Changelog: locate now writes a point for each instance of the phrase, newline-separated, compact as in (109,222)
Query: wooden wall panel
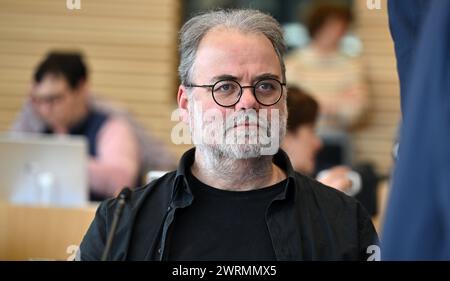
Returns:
(375,140)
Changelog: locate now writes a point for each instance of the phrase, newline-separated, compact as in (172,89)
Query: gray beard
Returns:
(222,156)
(217,164)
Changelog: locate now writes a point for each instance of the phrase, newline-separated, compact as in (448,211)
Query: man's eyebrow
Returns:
(223,77)
(266,76)
(48,95)
(255,79)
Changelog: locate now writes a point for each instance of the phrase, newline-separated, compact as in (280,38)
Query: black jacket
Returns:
(307,221)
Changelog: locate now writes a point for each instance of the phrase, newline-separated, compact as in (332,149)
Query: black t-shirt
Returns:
(223,225)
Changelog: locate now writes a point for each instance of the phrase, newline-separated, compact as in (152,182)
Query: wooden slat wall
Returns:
(374,141)
(130,48)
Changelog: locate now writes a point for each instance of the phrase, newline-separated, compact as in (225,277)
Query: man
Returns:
(60,98)
(233,200)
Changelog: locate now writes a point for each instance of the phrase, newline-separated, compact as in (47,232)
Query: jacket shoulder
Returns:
(339,215)
(149,199)
(334,198)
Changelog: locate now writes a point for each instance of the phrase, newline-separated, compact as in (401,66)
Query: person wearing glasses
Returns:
(232,196)
(59,103)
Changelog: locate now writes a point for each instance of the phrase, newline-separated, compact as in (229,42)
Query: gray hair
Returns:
(252,21)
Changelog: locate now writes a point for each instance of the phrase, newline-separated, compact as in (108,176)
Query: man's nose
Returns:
(44,108)
(247,100)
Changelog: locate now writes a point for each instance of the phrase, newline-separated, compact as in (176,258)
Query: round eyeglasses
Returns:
(227,92)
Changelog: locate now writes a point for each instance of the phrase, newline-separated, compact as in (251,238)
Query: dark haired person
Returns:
(60,100)
(302,144)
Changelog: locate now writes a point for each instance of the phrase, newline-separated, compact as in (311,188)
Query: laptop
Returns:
(45,170)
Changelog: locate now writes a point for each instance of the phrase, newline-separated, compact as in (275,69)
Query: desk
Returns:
(32,232)
(46,233)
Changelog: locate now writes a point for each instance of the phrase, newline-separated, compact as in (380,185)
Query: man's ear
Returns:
(286,140)
(183,103)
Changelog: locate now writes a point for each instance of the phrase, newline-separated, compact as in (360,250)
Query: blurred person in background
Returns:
(335,79)
(60,103)
(302,145)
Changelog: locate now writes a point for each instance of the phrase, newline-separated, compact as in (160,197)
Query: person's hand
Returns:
(336,177)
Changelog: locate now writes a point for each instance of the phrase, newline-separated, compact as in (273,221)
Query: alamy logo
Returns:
(373,4)
(74,252)
(374,253)
(239,129)
(73,4)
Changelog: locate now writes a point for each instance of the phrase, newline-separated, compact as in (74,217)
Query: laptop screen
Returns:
(43,169)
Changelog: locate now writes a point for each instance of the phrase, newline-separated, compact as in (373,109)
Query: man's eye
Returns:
(225,87)
(266,86)
(52,99)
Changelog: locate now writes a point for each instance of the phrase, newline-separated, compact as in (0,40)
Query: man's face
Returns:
(245,58)
(55,101)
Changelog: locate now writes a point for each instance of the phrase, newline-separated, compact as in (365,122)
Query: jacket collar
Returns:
(182,194)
